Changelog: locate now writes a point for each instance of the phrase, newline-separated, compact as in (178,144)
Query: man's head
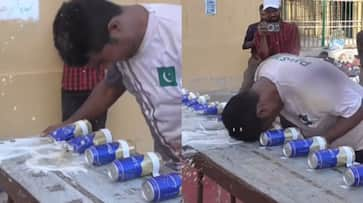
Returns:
(82,32)
(248,114)
(272,10)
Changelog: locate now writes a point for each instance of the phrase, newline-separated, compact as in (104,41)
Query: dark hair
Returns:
(240,119)
(80,27)
(260,7)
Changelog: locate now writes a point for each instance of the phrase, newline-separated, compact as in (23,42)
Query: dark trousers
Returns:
(72,100)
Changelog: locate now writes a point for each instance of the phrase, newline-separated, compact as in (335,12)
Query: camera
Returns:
(269,27)
(273,27)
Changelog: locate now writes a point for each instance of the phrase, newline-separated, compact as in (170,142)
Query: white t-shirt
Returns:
(153,76)
(314,93)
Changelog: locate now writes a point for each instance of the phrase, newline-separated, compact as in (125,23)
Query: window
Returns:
(320,21)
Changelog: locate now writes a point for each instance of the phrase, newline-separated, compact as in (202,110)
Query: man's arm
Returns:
(262,47)
(344,125)
(101,98)
(248,42)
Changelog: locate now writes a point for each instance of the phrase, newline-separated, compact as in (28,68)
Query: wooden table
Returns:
(222,170)
(250,173)
(25,186)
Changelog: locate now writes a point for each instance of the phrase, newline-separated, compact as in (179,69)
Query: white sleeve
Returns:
(347,103)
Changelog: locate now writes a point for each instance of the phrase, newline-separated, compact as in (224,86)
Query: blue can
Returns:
(79,128)
(81,143)
(200,108)
(185,99)
(162,187)
(272,138)
(300,148)
(329,158)
(211,110)
(353,176)
(127,169)
(279,137)
(191,102)
(133,167)
(104,154)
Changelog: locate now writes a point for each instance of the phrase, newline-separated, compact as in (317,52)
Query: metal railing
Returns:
(321,21)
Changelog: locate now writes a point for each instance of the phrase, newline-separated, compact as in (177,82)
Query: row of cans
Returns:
(78,137)
(315,148)
(293,142)
(294,145)
(100,149)
(200,103)
(155,189)
(126,165)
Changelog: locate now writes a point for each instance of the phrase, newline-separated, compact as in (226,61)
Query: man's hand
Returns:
(262,28)
(51,128)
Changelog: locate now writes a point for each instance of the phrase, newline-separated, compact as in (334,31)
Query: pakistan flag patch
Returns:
(167,76)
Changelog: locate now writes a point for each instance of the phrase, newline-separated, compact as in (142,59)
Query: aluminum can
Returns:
(280,136)
(162,187)
(104,154)
(78,128)
(300,148)
(81,143)
(135,167)
(329,158)
(353,176)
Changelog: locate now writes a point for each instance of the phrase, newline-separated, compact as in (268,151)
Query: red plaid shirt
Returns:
(81,78)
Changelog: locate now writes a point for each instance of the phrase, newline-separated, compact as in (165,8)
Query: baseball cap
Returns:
(271,4)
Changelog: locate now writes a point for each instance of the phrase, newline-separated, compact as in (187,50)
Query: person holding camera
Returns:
(249,43)
(275,36)
(268,37)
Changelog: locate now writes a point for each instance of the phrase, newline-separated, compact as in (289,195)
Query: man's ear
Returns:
(114,26)
(261,111)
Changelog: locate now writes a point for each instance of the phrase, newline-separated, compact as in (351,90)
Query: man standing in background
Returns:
(249,43)
(275,36)
(270,36)
(77,85)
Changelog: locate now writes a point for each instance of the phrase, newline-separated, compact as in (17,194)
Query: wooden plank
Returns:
(18,194)
(97,182)
(233,184)
(91,186)
(192,184)
(42,187)
(212,192)
(284,180)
